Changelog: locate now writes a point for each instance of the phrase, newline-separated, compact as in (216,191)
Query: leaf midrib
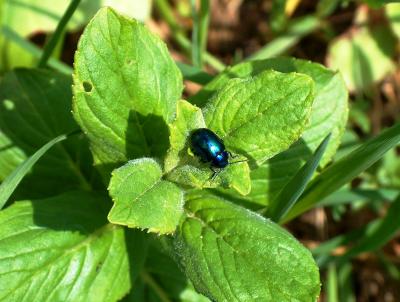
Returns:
(206,225)
(125,83)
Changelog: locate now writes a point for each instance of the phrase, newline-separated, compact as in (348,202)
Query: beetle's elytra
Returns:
(206,145)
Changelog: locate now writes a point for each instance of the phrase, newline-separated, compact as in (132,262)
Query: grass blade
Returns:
(296,30)
(373,236)
(344,170)
(204,19)
(35,51)
(11,181)
(158,290)
(293,190)
(323,253)
(199,33)
(332,284)
(390,267)
(164,9)
(278,18)
(345,196)
(345,283)
(382,231)
(196,51)
(51,44)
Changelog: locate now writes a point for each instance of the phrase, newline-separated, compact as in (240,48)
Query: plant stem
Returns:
(178,34)
(51,44)
(196,52)
(154,286)
(332,285)
(199,32)
(204,20)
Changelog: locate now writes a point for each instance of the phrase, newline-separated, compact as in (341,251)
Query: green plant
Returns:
(75,232)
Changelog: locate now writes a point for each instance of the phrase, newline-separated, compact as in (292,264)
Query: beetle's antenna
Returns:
(235,156)
(239,161)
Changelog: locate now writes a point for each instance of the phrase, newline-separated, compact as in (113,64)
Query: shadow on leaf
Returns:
(284,166)
(146,136)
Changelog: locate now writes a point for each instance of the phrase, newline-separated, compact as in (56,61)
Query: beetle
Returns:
(206,145)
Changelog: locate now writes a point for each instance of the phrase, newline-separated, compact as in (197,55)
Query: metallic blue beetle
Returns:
(209,148)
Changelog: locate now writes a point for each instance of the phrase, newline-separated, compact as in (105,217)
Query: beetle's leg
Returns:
(231,154)
(235,156)
(215,173)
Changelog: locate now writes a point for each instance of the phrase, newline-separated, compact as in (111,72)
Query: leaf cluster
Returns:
(119,207)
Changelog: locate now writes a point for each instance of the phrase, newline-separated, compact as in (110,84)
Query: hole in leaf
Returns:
(87,86)
(98,266)
(129,62)
(8,104)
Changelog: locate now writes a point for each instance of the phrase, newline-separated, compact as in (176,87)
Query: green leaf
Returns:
(198,175)
(163,272)
(63,249)
(329,115)
(363,56)
(139,10)
(232,254)
(125,89)
(344,170)
(10,156)
(295,187)
(142,199)
(261,116)
(35,108)
(9,184)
